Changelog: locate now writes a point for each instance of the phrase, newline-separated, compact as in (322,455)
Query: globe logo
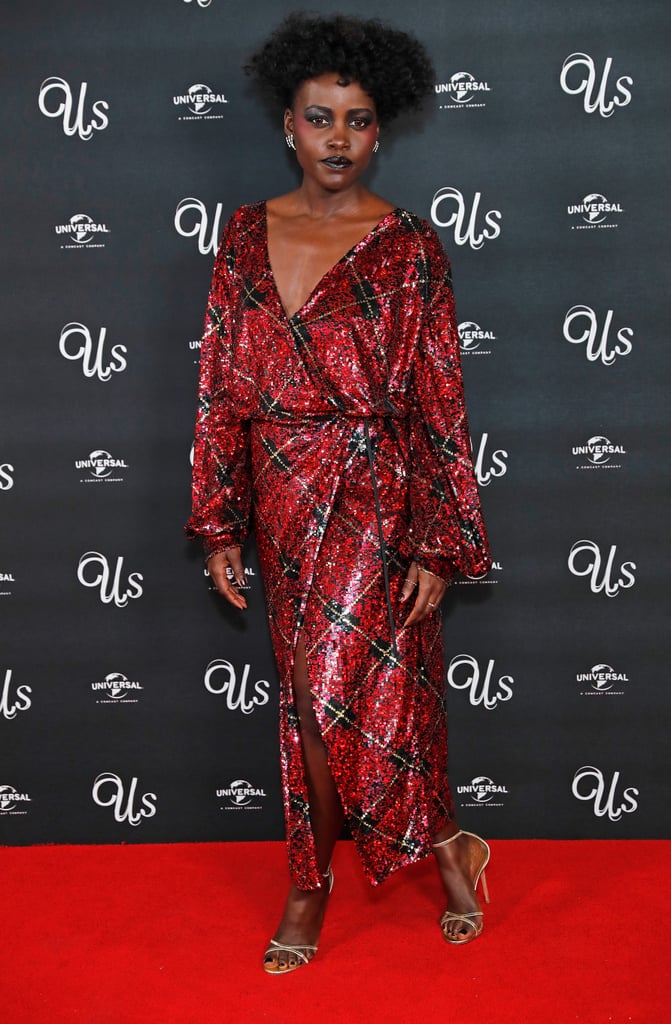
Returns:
(241,792)
(469,333)
(598,454)
(594,215)
(10,799)
(100,463)
(117,687)
(198,104)
(460,82)
(81,224)
(6,797)
(600,674)
(482,793)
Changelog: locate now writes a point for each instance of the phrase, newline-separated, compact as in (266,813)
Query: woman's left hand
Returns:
(430,592)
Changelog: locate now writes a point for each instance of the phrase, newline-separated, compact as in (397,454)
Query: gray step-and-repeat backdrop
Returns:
(134,706)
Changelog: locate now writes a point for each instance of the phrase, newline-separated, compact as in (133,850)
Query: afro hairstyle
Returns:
(390,65)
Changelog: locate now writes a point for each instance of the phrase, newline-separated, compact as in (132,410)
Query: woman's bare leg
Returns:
(304,910)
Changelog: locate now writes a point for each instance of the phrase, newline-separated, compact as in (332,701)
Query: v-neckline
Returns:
(352,249)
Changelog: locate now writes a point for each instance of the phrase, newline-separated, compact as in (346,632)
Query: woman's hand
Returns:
(430,591)
(217,566)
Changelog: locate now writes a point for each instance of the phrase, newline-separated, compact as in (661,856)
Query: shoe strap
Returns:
(446,842)
(464,919)
(449,915)
(299,951)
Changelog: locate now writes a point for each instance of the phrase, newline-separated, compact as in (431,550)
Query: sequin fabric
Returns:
(343,429)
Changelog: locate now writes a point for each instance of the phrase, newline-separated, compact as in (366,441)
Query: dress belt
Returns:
(378,512)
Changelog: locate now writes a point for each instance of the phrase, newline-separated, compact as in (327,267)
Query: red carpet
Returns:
(174,934)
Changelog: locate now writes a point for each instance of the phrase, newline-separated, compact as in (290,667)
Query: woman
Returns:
(331,402)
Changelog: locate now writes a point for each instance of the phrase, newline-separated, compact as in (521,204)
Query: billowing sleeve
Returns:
(447,534)
(221,488)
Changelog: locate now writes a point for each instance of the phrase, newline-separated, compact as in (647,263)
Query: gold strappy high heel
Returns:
(301,954)
(479,854)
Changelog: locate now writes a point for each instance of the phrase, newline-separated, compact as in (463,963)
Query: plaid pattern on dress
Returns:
(344,428)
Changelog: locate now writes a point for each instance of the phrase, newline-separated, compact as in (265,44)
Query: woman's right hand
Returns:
(217,566)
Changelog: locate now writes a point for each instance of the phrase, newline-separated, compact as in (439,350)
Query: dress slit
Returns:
(307,836)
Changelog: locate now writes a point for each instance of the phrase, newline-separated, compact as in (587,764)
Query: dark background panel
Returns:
(553,676)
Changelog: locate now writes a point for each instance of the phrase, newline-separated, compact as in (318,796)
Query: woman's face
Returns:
(335,128)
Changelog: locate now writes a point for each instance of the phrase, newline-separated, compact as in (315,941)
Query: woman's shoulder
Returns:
(419,229)
(418,241)
(246,215)
(243,226)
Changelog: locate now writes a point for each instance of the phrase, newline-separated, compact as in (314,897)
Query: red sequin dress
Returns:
(343,427)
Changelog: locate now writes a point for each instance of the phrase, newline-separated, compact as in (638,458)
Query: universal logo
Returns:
(76,343)
(200,100)
(464,673)
(116,688)
(113,585)
(102,468)
(57,99)
(579,75)
(13,699)
(472,336)
(482,790)
(222,679)
(11,801)
(602,679)
(6,579)
(581,327)
(595,212)
(249,573)
(487,579)
(109,790)
(470,226)
(604,573)
(83,232)
(6,476)
(461,91)
(488,466)
(195,346)
(193,221)
(242,796)
(598,451)
(590,784)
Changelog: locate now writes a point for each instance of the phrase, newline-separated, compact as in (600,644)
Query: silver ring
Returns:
(431,604)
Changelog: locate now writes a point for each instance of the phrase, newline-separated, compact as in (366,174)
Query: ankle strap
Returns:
(445,842)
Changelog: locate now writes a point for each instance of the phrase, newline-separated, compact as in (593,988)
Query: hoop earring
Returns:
(376,146)
(289,139)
